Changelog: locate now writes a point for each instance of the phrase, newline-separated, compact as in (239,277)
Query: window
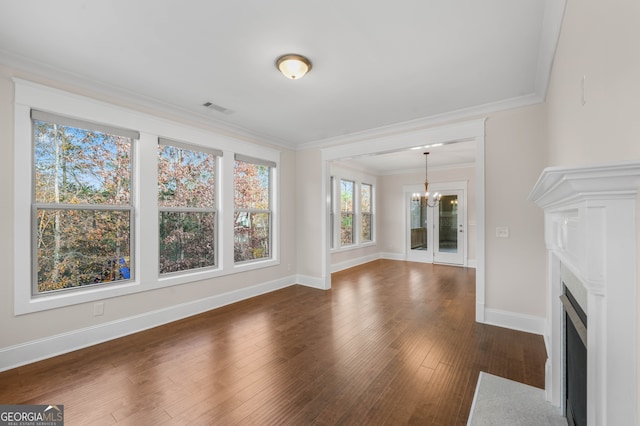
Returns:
(82,203)
(109,212)
(346,212)
(366,213)
(187,206)
(252,214)
(351,210)
(332,210)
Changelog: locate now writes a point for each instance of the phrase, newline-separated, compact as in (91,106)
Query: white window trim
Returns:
(272,170)
(362,213)
(30,95)
(216,156)
(358,180)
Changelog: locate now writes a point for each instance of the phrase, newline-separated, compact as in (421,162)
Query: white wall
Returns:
(515,152)
(18,332)
(599,40)
(310,201)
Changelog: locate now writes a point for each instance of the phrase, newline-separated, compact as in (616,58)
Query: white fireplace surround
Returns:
(591,229)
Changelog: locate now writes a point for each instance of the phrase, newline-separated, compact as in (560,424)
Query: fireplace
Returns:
(591,234)
(575,365)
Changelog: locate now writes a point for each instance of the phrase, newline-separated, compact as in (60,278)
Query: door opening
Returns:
(437,234)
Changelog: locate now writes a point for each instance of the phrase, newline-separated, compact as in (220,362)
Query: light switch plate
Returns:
(502,232)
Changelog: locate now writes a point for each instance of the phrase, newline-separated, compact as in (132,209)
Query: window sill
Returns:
(352,247)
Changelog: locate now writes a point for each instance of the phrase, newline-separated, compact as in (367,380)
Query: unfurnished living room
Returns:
(339,212)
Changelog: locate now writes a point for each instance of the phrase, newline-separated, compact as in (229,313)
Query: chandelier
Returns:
(426,199)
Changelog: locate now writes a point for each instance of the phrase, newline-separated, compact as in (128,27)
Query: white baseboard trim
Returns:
(353,262)
(48,347)
(313,282)
(515,321)
(393,256)
(480,313)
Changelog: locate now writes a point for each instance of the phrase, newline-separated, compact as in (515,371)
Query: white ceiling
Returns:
(413,160)
(375,63)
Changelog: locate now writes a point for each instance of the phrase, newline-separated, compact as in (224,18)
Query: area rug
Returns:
(500,401)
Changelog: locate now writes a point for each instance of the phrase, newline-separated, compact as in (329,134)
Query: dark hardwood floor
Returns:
(392,343)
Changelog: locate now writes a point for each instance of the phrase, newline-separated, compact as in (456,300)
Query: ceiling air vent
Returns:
(218,108)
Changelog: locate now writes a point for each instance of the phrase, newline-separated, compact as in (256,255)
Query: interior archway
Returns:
(463,131)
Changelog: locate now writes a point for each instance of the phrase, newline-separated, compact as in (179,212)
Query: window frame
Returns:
(29,95)
(351,212)
(56,119)
(217,154)
(272,166)
(337,175)
(368,213)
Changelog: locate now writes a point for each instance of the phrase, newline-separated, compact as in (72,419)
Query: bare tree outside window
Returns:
(186,201)
(346,212)
(83,207)
(366,213)
(252,216)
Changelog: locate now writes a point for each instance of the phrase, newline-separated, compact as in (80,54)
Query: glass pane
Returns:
(346,228)
(185,177)
(251,236)
(365,198)
(187,240)
(78,166)
(346,196)
(82,247)
(419,230)
(448,210)
(251,186)
(366,227)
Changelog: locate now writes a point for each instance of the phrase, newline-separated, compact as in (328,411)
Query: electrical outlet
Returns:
(98,309)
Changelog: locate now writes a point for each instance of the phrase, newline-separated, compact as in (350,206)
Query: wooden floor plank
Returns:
(392,342)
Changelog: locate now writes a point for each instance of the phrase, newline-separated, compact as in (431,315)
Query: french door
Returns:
(436,234)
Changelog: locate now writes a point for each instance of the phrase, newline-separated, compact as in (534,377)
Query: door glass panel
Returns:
(419,231)
(448,219)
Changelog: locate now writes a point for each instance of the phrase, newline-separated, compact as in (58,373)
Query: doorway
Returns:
(436,233)
(380,142)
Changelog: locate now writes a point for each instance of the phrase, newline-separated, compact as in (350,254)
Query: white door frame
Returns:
(429,256)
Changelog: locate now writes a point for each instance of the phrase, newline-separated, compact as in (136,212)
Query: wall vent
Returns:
(218,108)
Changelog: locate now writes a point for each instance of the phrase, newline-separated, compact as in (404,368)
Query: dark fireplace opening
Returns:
(575,361)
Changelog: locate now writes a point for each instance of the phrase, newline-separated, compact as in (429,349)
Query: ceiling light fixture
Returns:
(293,66)
(425,199)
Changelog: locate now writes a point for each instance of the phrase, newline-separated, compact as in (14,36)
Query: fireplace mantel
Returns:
(591,229)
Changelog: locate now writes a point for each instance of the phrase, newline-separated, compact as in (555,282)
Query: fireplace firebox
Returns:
(575,360)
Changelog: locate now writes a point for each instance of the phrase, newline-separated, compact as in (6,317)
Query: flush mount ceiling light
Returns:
(293,66)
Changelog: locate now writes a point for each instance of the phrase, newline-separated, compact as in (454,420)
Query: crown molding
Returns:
(425,122)
(79,84)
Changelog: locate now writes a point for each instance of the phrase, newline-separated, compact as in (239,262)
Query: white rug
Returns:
(500,401)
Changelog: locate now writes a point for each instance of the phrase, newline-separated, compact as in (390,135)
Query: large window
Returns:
(366,213)
(253,213)
(107,212)
(82,203)
(346,212)
(187,206)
